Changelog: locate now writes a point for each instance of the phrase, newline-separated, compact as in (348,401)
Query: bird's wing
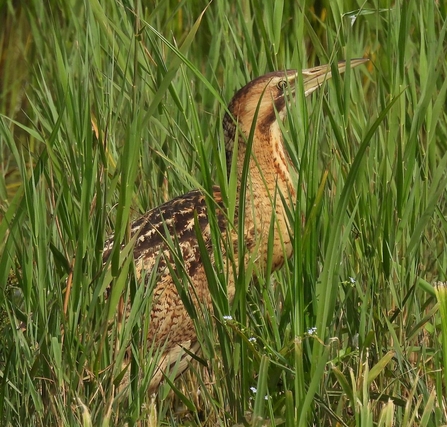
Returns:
(169,227)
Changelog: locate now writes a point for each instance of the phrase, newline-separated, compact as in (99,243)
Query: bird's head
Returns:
(266,99)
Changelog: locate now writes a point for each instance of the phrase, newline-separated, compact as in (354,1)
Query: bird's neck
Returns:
(268,186)
(269,167)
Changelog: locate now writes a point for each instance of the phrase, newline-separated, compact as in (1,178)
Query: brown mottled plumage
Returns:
(268,182)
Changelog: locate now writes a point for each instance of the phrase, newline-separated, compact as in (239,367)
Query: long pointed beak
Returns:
(314,77)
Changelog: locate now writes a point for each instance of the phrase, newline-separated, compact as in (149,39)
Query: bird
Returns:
(250,123)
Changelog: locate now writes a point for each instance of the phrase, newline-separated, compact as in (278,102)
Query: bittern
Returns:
(269,188)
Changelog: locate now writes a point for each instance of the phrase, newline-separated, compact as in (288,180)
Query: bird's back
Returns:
(166,241)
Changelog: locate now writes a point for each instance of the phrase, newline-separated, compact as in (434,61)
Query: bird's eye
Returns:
(281,85)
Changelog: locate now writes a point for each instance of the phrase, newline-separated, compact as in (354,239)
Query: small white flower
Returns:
(266,397)
(253,389)
(252,339)
(227,318)
(312,331)
(352,280)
